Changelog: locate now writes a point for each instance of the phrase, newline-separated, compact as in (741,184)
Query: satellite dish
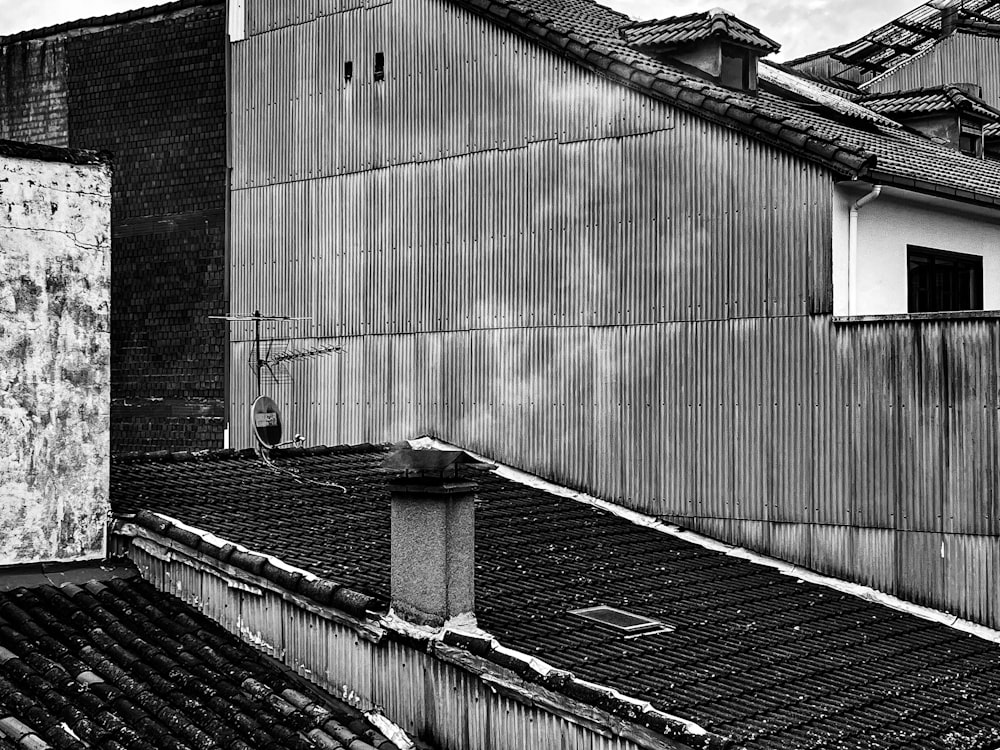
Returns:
(266,421)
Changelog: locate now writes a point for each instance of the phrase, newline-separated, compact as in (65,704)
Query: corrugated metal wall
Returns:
(824,434)
(526,260)
(961,58)
(425,696)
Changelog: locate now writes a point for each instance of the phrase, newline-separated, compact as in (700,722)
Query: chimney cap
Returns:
(405,461)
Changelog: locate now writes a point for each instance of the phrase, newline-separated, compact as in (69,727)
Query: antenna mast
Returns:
(257,362)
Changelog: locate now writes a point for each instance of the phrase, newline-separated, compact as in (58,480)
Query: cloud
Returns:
(800,27)
(17,15)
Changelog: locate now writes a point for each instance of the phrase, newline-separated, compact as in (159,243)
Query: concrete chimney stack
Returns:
(433,534)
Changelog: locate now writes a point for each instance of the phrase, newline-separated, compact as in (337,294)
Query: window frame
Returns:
(977,290)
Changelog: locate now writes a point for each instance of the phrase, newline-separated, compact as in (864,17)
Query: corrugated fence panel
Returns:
(787,421)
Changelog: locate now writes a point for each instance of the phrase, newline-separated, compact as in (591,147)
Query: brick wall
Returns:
(151,90)
(159,106)
(33,92)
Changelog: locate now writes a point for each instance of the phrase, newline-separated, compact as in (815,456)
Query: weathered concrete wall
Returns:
(55,263)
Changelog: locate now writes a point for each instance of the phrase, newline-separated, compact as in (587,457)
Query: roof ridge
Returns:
(110,19)
(322,591)
(683,91)
(954,93)
(236,454)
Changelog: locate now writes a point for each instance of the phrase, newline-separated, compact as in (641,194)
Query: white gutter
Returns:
(852,249)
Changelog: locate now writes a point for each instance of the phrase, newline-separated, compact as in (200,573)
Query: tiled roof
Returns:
(116,665)
(771,661)
(590,34)
(668,33)
(929,101)
(900,40)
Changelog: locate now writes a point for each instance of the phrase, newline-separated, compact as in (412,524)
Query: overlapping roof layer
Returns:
(592,35)
(697,27)
(116,665)
(903,38)
(931,100)
(758,656)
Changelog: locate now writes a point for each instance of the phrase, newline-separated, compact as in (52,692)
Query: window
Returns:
(970,139)
(970,144)
(941,281)
(738,69)
(348,70)
(379,66)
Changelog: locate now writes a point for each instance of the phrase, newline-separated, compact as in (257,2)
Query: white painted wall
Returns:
(55,263)
(899,218)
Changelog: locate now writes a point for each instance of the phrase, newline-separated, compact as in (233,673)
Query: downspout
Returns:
(852,249)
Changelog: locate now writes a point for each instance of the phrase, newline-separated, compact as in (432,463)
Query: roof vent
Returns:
(716,45)
(949,15)
(633,625)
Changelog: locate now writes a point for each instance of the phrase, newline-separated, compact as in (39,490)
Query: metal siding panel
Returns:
(961,57)
(574,279)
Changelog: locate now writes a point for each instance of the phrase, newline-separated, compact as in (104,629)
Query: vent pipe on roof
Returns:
(432,534)
(949,15)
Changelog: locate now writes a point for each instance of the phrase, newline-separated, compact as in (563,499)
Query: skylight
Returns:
(627,622)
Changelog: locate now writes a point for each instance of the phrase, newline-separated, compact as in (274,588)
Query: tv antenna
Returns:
(271,355)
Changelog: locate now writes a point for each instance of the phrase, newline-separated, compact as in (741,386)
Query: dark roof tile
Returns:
(160,676)
(669,33)
(930,100)
(769,661)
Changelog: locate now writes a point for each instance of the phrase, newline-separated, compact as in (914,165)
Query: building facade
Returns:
(603,281)
(55,249)
(932,45)
(149,87)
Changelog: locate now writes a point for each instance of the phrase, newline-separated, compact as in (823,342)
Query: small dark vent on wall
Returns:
(633,625)
(379,66)
(348,70)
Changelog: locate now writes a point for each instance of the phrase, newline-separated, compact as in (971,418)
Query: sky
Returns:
(800,26)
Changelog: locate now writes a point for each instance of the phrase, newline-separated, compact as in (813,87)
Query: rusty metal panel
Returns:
(971,495)
(875,558)
(920,567)
(960,57)
(833,463)
(751,434)
(968,587)
(832,550)
(792,412)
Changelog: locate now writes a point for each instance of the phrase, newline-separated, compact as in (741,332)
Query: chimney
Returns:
(432,534)
(949,16)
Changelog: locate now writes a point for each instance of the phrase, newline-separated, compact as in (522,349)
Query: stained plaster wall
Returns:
(55,262)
